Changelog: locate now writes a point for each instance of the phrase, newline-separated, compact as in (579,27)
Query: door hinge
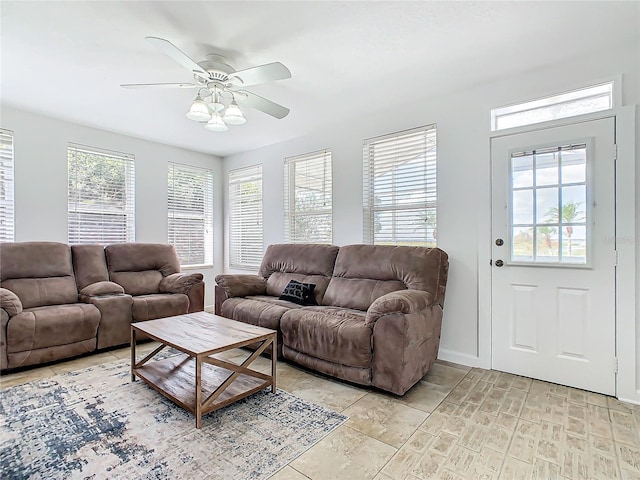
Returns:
(615,151)
(615,365)
(615,258)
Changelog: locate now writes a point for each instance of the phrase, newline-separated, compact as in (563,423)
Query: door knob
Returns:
(499,242)
(499,263)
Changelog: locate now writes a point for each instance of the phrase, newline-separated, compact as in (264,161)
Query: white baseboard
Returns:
(633,401)
(209,308)
(461,358)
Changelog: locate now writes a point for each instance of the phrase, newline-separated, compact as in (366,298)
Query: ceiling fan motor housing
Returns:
(216,67)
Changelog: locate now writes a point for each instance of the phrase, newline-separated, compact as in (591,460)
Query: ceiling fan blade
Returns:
(261,74)
(158,85)
(259,103)
(169,49)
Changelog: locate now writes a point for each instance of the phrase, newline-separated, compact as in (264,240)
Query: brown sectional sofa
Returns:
(59,301)
(379,312)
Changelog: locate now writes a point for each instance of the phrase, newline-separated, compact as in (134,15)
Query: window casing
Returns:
(400,190)
(190,213)
(101,196)
(308,198)
(7,209)
(246,245)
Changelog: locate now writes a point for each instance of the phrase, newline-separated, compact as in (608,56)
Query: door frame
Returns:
(627,317)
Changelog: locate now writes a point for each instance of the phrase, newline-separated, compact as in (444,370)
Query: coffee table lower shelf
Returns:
(175,378)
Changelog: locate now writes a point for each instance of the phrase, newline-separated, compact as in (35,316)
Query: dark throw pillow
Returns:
(298,292)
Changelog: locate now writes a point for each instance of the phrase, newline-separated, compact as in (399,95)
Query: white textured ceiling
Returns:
(67,59)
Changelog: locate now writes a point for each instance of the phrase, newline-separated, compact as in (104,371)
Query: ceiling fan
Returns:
(221,87)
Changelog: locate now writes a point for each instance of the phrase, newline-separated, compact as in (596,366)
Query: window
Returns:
(549,211)
(7,219)
(101,196)
(245,218)
(400,188)
(577,102)
(190,211)
(307,209)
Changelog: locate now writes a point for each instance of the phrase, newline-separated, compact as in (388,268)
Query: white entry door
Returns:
(553,255)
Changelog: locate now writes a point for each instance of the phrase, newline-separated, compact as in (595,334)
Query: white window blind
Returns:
(190,211)
(245,218)
(400,194)
(307,210)
(7,211)
(101,196)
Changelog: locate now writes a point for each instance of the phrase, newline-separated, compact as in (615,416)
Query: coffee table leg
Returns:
(133,354)
(274,359)
(198,392)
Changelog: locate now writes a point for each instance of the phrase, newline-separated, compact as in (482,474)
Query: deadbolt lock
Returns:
(499,242)
(499,263)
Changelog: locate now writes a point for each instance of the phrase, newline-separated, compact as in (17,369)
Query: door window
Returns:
(549,214)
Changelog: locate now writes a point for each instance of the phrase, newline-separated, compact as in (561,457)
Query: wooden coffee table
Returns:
(198,381)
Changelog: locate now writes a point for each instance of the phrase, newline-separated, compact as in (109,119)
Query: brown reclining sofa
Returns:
(59,301)
(378,315)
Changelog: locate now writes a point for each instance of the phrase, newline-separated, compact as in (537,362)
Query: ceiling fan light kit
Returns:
(199,112)
(217,81)
(216,124)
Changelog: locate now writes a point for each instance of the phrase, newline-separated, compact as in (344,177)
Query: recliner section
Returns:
(59,301)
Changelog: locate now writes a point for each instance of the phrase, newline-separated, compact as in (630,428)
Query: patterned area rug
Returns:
(94,423)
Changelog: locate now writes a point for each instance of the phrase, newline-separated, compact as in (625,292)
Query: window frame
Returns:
(245,256)
(291,214)
(430,203)
(127,211)
(7,186)
(205,215)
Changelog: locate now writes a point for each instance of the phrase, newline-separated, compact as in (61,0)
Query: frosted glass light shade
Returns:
(233,115)
(216,124)
(198,111)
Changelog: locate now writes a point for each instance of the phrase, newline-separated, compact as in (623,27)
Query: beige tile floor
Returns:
(456,423)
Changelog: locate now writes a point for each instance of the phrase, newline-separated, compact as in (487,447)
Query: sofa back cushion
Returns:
(139,267)
(364,273)
(307,263)
(39,273)
(89,265)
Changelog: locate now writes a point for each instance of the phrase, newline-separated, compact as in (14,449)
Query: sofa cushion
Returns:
(89,264)
(34,260)
(38,292)
(306,263)
(138,257)
(43,327)
(256,312)
(39,273)
(273,301)
(138,283)
(364,273)
(330,333)
(159,305)
(306,259)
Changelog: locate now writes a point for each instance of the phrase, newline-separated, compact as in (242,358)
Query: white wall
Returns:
(41,180)
(463,123)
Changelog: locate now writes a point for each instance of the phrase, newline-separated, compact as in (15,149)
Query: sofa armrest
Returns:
(99,289)
(179,282)
(10,302)
(406,336)
(242,285)
(402,301)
